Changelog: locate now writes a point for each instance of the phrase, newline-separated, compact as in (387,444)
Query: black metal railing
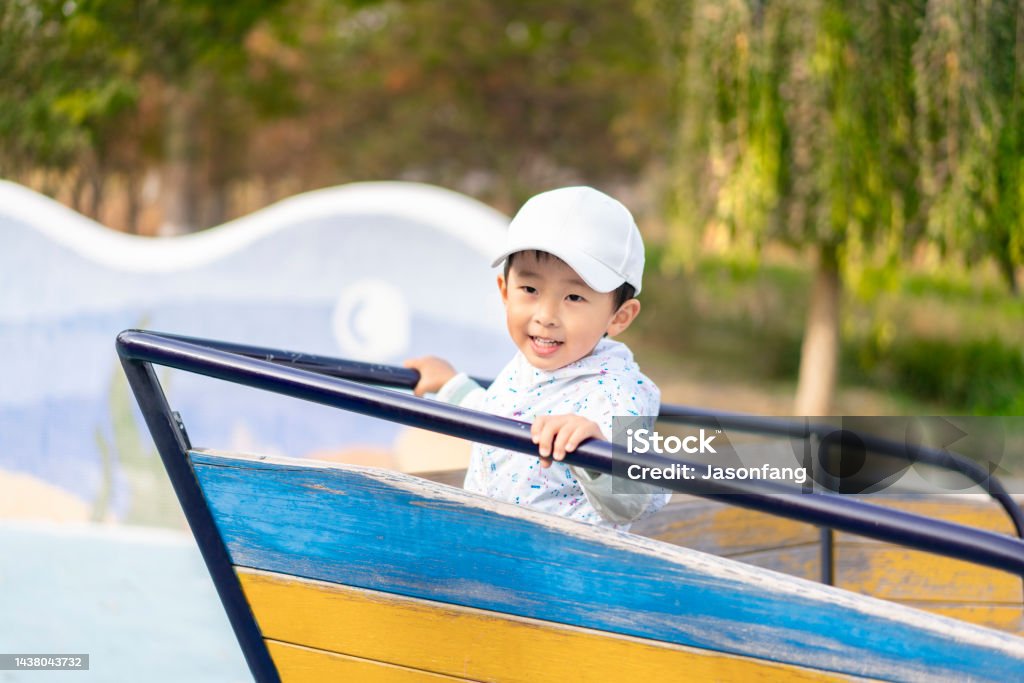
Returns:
(391,376)
(319,379)
(870,443)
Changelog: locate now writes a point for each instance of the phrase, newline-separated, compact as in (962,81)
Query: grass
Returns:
(927,342)
(727,336)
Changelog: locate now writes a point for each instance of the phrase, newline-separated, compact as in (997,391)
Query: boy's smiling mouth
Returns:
(543,346)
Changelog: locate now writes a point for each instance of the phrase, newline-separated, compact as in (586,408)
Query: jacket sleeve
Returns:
(460,390)
(628,502)
(625,500)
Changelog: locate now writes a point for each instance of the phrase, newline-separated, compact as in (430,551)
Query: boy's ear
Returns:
(503,288)
(623,317)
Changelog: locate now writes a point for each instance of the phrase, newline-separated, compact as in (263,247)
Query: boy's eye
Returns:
(528,289)
(575,297)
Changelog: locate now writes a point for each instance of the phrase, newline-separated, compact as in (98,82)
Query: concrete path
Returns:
(139,601)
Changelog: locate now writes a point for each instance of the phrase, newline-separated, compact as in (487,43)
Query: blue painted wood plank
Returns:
(396,533)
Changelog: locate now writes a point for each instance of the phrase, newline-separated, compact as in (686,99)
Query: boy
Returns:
(573,263)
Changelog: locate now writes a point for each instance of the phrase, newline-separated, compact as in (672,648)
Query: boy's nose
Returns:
(546,315)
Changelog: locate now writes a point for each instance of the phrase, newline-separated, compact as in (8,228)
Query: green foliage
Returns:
(85,86)
(977,376)
(941,340)
(969,64)
(54,81)
(725,316)
(501,99)
(858,132)
(867,127)
(867,130)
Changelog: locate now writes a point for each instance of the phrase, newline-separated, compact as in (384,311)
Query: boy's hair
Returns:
(621,295)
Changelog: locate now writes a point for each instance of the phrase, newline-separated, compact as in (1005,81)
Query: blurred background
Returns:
(830,195)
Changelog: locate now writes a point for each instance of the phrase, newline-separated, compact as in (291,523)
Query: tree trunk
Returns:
(181,204)
(819,355)
(77,190)
(216,206)
(133,202)
(96,183)
(1009,270)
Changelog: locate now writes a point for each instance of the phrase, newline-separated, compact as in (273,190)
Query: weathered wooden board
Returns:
(721,529)
(1003,617)
(896,573)
(399,534)
(476,644)
(973,593)
(978,511)
(297,664)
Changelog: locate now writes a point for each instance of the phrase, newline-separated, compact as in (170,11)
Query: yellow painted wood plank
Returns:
(803,561)
(297,664)
(863,565)
(936,584)
(979,512)
(920,580)
(1008,618)
(961,590)
(895,573)
(477,644)
(721,529)
(729,531)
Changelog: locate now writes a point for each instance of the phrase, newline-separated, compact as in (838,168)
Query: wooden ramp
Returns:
(362,574)
(926,581)
(918,579)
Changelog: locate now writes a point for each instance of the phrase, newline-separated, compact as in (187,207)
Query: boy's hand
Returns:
(557,435)
(434,373)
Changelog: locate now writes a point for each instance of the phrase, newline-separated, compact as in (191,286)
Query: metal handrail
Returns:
(795,429)
(139,350)
(391,376)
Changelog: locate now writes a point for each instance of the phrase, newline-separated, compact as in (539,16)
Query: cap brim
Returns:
(598,276)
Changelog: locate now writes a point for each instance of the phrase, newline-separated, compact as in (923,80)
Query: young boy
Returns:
(573,263)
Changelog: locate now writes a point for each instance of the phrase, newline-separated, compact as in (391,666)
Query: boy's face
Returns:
(553,316)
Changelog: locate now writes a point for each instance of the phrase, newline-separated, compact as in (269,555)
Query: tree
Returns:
(969,65)
(61,93)
(188,49)
(497,99)
(796,125)
(75,77)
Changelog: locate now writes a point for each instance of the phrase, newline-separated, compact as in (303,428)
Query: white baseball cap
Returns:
(592,232)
